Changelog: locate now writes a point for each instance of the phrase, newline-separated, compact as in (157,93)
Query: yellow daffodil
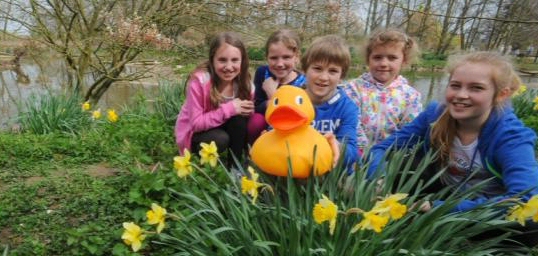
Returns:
(250,186)
(391,206)
(326,210)
(373,221)
(96,114)
(112,116)
(516,214)
(209,154)
(533,205)
(156,215)
(133,235)
(521,213)
(397,211)
(182,164)
(522,89)
(535,103)
(86,106)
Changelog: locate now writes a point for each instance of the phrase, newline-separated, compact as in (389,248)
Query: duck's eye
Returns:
(299,100)
(275,101)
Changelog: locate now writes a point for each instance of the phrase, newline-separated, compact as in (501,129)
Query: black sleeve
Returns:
(260,97)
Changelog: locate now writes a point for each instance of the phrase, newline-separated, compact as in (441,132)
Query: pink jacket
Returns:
(197,114)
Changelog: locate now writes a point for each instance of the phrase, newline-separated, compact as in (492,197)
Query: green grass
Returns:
(68,193)
(64,211)
(66,189)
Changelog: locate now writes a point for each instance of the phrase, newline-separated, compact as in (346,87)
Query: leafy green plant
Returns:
(281,221)
(53,112)
(256,53)
(531,122)
(524,102)
(433,56)
(168,101)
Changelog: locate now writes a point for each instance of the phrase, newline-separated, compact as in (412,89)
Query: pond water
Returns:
(34,79)
(432,86)
(17,85)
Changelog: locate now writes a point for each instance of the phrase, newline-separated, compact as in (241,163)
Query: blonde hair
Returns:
(329,49)
(288,37)
(388,36)
(503,76)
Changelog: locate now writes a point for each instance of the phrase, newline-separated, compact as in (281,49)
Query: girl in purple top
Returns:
(282,52)
(219,100)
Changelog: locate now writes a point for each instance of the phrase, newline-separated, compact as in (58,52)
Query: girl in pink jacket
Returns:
(218,100)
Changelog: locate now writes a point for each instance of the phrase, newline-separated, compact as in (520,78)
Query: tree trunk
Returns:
(443,38)
(368,14)
(475,26)
(373,16)
(6,17)
(425,16)
(390,10)
(493,32)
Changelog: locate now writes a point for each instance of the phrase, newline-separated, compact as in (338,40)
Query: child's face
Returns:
(385,62)
(227,62)
(281,60)
(469,94)
(322,79)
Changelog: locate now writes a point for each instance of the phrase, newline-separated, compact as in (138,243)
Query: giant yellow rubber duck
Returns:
(292,141)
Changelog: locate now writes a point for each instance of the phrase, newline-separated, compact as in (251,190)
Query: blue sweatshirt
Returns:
(505,145)
(260,97)
(340,116)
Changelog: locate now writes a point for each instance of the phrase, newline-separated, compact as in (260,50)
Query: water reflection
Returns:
(431,87)
(41,78)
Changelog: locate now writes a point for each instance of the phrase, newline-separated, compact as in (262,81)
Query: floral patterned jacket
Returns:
(382,109)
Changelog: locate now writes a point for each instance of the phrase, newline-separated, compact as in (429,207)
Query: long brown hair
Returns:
(503,76)
(242,80)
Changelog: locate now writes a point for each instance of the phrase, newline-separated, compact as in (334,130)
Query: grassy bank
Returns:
(69,180)
(66,181)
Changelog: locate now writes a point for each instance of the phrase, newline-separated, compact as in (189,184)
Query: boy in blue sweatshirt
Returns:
(325,64)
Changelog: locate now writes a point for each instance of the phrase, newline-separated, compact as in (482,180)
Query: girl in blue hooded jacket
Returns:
(477,135)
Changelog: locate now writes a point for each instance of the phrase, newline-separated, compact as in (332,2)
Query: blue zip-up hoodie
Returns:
(340,116)
(505,145)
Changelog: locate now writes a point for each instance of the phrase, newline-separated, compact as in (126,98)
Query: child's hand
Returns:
(334,146)
(243,107)
(269,86)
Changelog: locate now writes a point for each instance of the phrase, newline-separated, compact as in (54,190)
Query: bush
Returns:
(433,56)
(523,102)
(525,107)
(257,54)
(53,113)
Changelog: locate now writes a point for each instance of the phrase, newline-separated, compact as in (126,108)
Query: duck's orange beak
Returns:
(287,118)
